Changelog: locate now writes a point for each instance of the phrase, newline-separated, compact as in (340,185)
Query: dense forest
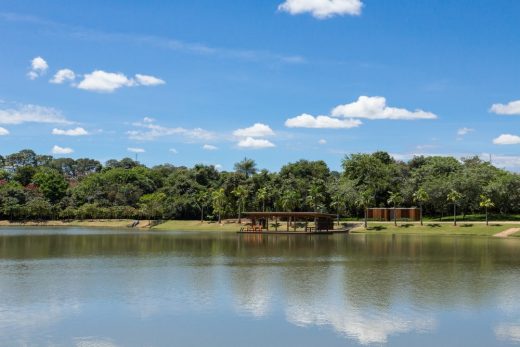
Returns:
(42,187)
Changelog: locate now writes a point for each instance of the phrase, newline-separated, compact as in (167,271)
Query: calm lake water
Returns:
(84,287)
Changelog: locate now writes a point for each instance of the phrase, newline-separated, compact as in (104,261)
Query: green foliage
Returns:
(39,187)
(51,183)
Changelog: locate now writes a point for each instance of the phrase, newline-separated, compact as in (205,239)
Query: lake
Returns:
(104,288)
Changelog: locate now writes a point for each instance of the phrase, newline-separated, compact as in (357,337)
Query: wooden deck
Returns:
(314,232)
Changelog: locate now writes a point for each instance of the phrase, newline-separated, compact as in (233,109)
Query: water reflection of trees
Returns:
(367,287)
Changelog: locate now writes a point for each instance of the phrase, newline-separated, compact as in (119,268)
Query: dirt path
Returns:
(507,232)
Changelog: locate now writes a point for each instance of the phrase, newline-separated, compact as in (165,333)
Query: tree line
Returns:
(39,187)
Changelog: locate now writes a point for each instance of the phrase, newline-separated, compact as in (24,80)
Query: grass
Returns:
(432,228)
(97,223)
(196,225)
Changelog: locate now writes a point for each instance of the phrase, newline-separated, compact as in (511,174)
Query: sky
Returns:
(212,82)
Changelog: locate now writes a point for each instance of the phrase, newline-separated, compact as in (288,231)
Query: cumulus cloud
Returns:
(147,80)
(70,132)
(309,121)
(173,150)
(256,130)
(107,82)
(61,150)
(151,131)
(374,107)
(511,108)
(135,150)
(4,131)
(250,142)
(31,114)
(209,147)
(507,139)
(322,9)
(38,67)
(322,141)
(63,75)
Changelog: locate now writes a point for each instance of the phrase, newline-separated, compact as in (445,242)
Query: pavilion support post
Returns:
(306,225)
(288,222)
(267,223)
(275,223)
(294,224)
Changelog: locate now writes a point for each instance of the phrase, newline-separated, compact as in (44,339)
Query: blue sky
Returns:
(199,81)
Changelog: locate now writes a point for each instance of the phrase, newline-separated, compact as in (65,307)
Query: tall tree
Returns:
(364,200)
(420,196)
(241,194)
(246,166)
(486,203)
(395,199)
(218,198)
(262,195)
(454,197)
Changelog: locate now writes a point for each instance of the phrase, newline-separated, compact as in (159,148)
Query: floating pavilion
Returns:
(260,222)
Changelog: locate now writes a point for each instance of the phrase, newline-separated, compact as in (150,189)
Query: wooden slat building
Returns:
(387,214)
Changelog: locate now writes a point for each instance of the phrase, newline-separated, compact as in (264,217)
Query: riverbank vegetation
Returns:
(40,187)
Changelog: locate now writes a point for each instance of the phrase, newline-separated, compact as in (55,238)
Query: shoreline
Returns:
(430,228)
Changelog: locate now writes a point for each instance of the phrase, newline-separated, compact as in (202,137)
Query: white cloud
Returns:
(4,131)
(209,147)
(107,82)
(38,67)
(257,130)
(374,107)
(250,142)
(511,108)
(309,121)
(174,151)
(32,114)
(464,131)
(147,80)
(322,141)
(61,150)
(135,150)
(322,8)
(70,132)
(63,75)
(148,120)
(153,131)
(507,139)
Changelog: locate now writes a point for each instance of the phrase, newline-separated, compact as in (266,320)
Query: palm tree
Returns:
(454,197)
(365,199)
(338,202)
(486,203)
(246,166)
(218,198)
(314,196)
(289,200)
(240,193)
(201,199)
(262,195)
(420,197)
(395,199)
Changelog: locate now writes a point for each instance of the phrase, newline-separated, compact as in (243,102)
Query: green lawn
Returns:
(463,228)
(195,225)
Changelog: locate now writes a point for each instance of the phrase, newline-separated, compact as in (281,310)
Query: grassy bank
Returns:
(432,228)
(95,223)
(179,225)
(195,225)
